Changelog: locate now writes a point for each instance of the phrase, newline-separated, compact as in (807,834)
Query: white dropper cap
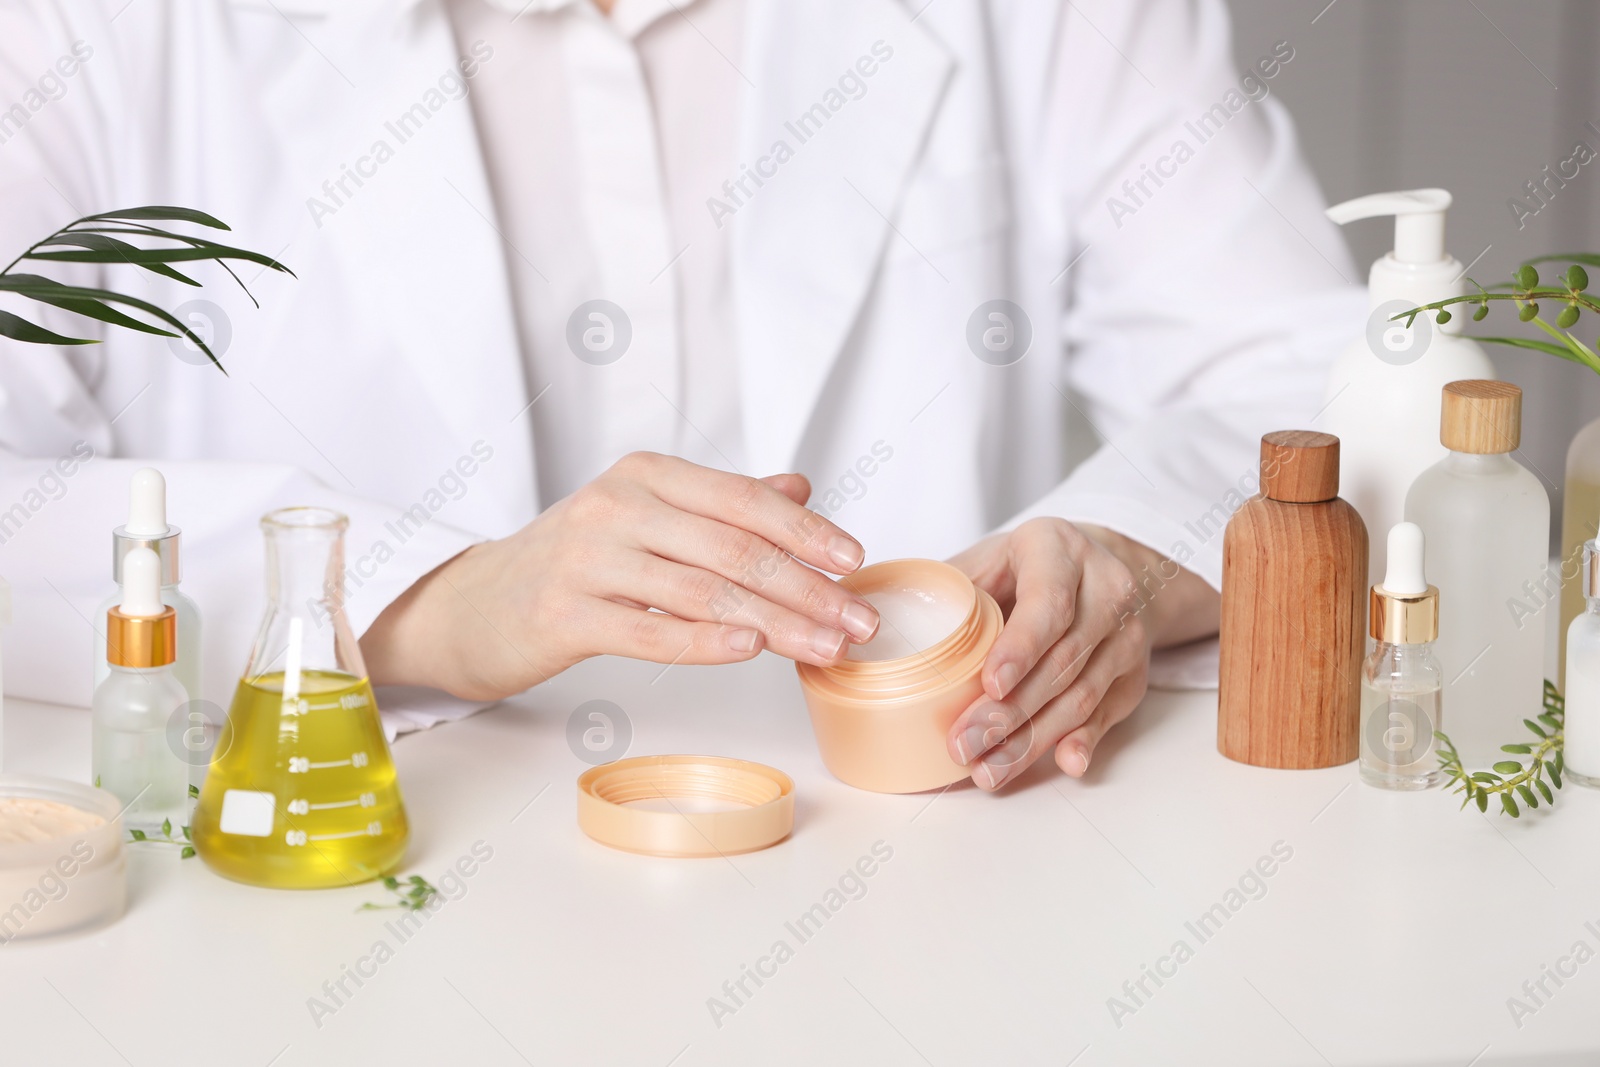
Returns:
(147,504)
(141,584)
(1405,573)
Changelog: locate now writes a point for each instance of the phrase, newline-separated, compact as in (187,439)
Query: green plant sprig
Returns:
(166,838)
(99,239)
(1525,291)
(411,894)
(1510,779)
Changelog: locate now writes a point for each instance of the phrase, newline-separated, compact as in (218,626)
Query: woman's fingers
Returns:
(661,638)
(1074,750)
(760,570)
(699,595)
(1048,577)
(1062,715)
(752,505)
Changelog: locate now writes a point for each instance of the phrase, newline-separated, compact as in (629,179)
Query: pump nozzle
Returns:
(1418,220)
(147,504)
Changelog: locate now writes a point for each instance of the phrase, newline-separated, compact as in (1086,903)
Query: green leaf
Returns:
(94,309)
(1530,724)
(194,791)
(117,252)
(49,291)
(1577,278)
(1521,750)
(1544,791)
(1555,774)
(1488,776)
(186,836)
(1525,276)
(138,835)
(1527,796)
(166,827)
(144,256)
(1443,317)
(1528,312)
(163,213)
(20,329)
(1568,316)
(1509,805)
(1482,312)
(1508,766)
(1559,351)
(1567,257)
(188,850)
(1483,801)
(1549,720)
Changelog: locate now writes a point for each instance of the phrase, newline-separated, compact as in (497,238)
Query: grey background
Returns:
(1476,96)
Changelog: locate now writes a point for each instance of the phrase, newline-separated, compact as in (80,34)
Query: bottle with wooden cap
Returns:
(1294,579)
(1486,520)
(1401,681)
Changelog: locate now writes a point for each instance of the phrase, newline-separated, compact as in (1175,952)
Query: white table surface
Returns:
(994,935)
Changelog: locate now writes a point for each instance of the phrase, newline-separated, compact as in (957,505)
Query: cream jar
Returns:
(882,715)
(62,863)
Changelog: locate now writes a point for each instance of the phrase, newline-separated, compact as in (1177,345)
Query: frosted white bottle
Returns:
(147,528)
(1486,519)
(1383,392)
(1582,690)
(132,724)
(1580,523)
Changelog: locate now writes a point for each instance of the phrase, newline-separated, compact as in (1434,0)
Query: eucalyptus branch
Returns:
(411,894)
(99,239)
(1510,779)
(1526,292)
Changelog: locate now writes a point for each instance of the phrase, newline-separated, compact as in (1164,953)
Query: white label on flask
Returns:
(247,812)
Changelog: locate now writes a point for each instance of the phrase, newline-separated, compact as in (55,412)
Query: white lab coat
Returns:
(978,165)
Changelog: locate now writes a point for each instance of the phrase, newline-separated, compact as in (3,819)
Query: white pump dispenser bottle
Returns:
(1383,393)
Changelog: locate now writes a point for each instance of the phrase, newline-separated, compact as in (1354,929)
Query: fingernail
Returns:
(828,644)
(845,553)
(989,777)
(971,743)
(860,621)
(1080,756)
(744,640)
(1006,678)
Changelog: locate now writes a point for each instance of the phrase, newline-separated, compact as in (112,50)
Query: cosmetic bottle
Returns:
(1294,570)
(1401,681)
(1580,523)
(1383,391)
(134,756)
(882,715)
(147,528)
(1582,690)
(1487,524)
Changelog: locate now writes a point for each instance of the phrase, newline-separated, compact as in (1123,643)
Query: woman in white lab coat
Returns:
(1015,282)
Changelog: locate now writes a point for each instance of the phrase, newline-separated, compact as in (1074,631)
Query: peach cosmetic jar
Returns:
(882,714)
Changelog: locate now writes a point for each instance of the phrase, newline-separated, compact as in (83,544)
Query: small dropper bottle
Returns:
(1401,680)
(147,528)
(1582,690)
(133,723)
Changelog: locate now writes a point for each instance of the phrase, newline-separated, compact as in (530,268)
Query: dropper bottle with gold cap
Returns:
(1486,519)
(1401,680)
(135,754)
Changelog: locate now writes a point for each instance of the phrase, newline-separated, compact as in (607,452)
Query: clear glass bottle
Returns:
(1580,523)
(302,791)
(1487,523)
(1582,754)
(1402,683)
(132,753)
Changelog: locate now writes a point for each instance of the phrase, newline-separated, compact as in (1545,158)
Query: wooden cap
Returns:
(1299,466)
(1482,417)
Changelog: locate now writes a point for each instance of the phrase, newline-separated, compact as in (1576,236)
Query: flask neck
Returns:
(305,560)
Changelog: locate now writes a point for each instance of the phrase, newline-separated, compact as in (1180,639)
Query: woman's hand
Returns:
(1084,607)
(727,560)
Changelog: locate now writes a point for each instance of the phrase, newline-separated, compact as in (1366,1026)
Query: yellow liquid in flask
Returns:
(303,793)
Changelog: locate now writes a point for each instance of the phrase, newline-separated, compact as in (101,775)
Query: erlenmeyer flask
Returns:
(301,793)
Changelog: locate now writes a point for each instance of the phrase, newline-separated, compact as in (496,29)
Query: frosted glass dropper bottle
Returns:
(1582,690)
(133,753)
(1486,519)
(147,528)
(1401,681)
